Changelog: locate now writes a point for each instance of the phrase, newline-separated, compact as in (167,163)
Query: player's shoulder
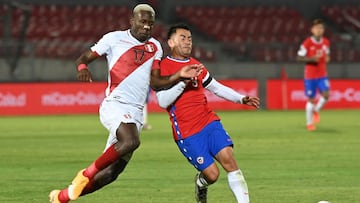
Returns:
(326,40)
(115,34)
(194,61)
(307,40)
(155,41)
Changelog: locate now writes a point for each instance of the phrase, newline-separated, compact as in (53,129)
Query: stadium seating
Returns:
(345,17)
(61,31)
(261,33)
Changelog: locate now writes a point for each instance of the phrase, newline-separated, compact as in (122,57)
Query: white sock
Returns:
(145,112)
(309,112)
(238,186)
(201,181)
(320,104)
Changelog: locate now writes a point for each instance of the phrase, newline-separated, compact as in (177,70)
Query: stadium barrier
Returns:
(78,98)
(289,94)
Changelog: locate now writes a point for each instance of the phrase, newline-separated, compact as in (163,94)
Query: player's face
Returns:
(318,30)
(141,25)
(181,43)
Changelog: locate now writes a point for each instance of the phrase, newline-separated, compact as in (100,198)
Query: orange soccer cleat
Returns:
(311,127)
(316,117)
(54,196)
(78,185)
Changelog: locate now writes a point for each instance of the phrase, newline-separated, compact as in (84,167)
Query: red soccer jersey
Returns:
(190,113)
(309,48)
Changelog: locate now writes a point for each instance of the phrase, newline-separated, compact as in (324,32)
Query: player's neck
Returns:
(178,57)
(317,39)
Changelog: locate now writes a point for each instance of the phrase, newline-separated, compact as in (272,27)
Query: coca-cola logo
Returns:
(80,98)
(348,95)
(12,100)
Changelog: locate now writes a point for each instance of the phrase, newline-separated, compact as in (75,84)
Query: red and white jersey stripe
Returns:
(129,64)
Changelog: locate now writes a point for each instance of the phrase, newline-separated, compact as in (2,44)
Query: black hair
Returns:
(318,21)
(172,29)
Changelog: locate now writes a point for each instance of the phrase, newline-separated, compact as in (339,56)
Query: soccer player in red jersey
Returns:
(133,59)
(315,52)
(196,128)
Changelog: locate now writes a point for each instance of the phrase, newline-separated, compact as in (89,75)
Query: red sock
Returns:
(107,158)
(64,196)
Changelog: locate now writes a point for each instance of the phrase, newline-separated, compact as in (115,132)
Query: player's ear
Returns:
(132,20)
(170,43)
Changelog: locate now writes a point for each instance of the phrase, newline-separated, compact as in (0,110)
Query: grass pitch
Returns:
(282,162)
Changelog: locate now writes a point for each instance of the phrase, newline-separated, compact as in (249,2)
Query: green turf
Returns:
(282,162)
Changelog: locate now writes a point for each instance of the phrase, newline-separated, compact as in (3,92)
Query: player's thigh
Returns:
(114,113)
(220,145)
(227,160)
(195,150)
(310,86)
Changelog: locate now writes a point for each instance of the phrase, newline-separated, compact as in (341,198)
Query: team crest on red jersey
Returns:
(149,48)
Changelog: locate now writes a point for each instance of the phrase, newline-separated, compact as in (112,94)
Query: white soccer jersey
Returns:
(129,63)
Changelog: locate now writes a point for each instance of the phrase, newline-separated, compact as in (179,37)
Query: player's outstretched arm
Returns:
(159,82)
(82,62)
(251,101)
(229,94)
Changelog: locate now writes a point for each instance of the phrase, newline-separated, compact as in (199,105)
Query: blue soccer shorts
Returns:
(312,85)
(201,148)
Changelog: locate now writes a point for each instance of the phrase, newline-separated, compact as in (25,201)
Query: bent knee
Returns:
(132,144)
(211,175)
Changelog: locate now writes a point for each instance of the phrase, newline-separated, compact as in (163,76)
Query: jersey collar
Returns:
(178,60)
(315,41)
(132,37)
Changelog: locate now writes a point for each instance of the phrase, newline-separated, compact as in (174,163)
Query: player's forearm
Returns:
(225,92)
(86,58)
(305,59)
(168,97)
(158,82)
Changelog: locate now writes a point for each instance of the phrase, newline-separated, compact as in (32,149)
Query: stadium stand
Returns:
(261,33)
(62,31)
(346,18)
(270,34)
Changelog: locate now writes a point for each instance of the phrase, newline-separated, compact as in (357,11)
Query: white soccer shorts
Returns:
(113,113)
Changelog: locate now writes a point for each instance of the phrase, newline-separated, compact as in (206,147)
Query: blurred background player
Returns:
(315,52)
(132,57)
(196,128)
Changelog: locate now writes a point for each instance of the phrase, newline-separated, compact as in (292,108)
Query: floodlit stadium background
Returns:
(242,40)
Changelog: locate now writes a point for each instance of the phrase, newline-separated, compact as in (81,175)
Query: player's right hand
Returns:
(191,71)
(84,75)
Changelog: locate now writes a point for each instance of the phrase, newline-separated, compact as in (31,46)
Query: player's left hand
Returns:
(251,101)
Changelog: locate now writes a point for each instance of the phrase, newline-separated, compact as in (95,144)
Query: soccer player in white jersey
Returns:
(133,60)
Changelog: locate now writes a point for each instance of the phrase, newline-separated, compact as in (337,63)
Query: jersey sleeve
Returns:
(103,46)
(158,56)
(327,48)
(303,49)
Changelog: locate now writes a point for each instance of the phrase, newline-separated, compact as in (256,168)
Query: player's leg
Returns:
(128,141)
(221,147)
(236,179)
(196,151)
(203,179)
(124,132)
(324,87)
(310,92)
